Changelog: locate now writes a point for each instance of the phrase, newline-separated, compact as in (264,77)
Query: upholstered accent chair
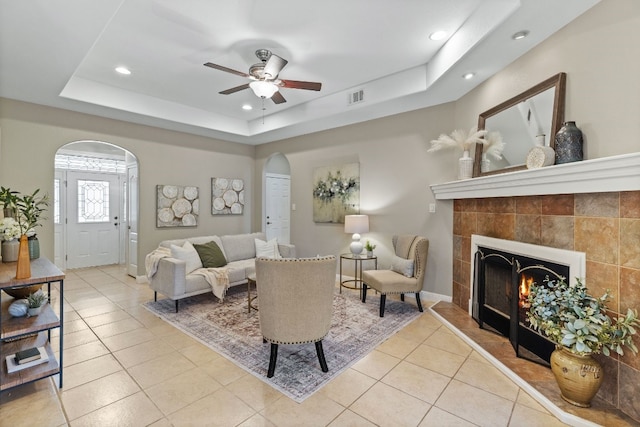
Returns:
(406,273)
(295,298)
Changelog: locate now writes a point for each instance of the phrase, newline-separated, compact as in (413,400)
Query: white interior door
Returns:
(278,216)
(92,220)
(132,220)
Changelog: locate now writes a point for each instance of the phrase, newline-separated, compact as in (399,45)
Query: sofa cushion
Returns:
(240,246)
(188,254)
(211,255)
(402,266)
(239,270)
(267,249)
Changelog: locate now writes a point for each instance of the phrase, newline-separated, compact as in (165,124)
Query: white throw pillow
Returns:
(187,253)
(267,249)
(402,266)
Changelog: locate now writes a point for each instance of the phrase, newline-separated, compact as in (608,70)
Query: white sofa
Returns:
(171,280)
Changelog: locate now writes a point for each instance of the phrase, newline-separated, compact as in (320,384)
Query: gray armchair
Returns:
(406,274)
(296,302)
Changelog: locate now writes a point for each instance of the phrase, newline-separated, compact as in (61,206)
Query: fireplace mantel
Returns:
(608,174)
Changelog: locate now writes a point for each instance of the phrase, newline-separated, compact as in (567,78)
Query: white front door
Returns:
(278,217)
(92,219)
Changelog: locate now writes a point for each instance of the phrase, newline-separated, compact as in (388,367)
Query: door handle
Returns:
(268,223)
(115,224)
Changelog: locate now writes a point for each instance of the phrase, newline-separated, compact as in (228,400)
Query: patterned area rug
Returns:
(228,329)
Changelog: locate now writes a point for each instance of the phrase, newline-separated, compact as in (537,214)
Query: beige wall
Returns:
(32,134)
(395,171)
(599,53)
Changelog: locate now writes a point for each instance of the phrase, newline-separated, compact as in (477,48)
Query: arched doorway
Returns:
(277,198)
(95,206)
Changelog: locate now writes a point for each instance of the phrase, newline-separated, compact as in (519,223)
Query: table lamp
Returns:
(356,224)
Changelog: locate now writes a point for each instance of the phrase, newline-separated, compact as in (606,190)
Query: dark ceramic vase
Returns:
(568,144)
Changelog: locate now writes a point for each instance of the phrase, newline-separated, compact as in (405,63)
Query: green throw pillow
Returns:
(211,255)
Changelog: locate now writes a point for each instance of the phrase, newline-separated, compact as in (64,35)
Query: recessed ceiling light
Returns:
(468,76)
(438,35)
(123,70)
(520,35)
(247,107)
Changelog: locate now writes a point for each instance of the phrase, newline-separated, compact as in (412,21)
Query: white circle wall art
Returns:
(181,207)
(227,196)
(170,191)
(188,220)
(165,215)
(191,193)
(177,206)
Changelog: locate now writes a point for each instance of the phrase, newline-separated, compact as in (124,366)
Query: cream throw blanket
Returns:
(218,278)
(151,260)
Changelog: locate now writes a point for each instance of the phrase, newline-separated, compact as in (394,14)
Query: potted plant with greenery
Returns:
(35,302)
(369,248)
(8,198)
(31,208)
(579,325)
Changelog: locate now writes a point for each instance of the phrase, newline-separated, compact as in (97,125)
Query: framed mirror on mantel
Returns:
(520,120)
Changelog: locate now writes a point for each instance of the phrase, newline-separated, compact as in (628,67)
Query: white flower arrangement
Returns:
(9,229)
(458,138)
(492,145)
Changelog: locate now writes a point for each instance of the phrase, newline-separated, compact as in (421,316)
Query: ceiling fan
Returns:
(264,74)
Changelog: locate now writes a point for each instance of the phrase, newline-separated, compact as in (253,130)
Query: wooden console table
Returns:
(19,333)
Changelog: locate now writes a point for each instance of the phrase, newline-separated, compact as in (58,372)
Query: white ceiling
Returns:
(63,54)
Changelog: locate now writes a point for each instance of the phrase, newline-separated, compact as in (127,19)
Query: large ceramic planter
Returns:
(579,377)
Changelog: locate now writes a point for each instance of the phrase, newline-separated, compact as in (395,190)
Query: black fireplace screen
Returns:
(500,288)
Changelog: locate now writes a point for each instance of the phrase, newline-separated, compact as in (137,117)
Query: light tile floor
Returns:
(126,367)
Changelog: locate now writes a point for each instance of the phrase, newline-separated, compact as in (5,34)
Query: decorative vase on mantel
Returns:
(465,166)
(579,377)
(485,163)
(568,144)
(23,269)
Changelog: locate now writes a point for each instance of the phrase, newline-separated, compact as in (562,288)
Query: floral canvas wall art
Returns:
(336,192)
(178,206)
(227,196)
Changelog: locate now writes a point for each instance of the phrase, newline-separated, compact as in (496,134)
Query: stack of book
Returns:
(26,356)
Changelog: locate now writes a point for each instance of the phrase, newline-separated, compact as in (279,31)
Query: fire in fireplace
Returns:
(503,272)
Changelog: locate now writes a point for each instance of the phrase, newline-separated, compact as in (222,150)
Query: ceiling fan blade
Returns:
(235,89)
(274,65)
(228,70)
(295,84)
(278,98)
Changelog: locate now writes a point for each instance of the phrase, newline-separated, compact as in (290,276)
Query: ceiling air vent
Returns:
(356,97)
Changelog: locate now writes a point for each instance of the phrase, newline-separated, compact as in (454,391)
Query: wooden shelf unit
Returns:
(19,333)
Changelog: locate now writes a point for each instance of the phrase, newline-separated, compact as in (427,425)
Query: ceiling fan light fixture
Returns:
(263,89)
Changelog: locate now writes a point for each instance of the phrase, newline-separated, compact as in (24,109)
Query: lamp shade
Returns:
(263,89)
(356,224)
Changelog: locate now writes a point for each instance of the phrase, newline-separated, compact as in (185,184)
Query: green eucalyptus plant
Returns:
(572,318)
(31,207)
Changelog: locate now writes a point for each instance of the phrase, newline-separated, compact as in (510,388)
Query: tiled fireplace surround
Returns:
(603,224)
